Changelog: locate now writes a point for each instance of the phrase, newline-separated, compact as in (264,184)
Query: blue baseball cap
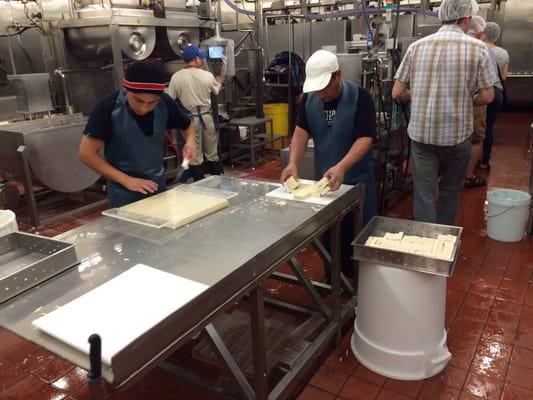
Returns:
(190,52)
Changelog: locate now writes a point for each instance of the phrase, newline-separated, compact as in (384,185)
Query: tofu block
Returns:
(323,186)
(441,247)
(305,191)
(291,184)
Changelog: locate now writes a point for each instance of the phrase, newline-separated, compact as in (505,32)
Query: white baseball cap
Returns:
(318,70)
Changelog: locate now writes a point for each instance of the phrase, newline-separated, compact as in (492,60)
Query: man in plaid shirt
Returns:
(443,75)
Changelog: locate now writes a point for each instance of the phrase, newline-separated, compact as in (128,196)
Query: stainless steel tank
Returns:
(51,150)
(171,41)
(87,43)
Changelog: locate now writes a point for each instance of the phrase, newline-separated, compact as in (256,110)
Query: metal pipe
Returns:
(66,95)
(259,59)
(10,48)
(266,43)
(241,40)
(209,6)
(333,14)
(219,15)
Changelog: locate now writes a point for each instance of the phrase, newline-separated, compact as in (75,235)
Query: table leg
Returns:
(252,155)
(336,277)
(259,342)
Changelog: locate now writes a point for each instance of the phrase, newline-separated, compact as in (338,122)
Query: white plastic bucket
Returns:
(8,222)
(399,327)
(507,214)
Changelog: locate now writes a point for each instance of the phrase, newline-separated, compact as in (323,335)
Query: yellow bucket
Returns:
(279,112)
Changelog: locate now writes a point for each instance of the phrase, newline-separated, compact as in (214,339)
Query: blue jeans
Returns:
(492,112)
(429,163)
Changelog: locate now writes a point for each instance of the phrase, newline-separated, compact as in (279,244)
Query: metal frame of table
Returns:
(273,234)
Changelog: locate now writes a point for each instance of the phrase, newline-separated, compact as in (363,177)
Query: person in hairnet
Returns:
(130,125)
(340,117)
(472,179)
(490,36)
(443,75)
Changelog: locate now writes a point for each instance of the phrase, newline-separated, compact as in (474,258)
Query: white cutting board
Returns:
(120,310)
(281,193)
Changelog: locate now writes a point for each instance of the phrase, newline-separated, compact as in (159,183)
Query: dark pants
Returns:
(429,163)
(348,234)
(492,112)
(346,239)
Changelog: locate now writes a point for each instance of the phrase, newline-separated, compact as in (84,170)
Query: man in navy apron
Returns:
(130,124)
(340,117)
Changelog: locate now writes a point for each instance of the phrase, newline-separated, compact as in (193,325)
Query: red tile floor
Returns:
(489,317)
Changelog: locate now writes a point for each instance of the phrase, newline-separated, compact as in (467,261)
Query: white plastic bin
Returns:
(507,214)
(8,222)
(399,327)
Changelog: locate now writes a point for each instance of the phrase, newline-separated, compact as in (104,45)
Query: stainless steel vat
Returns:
(87,43)
(51,150)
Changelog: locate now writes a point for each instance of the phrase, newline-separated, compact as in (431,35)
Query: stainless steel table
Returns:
(231,251)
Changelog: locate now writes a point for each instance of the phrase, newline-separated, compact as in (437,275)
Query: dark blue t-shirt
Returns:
(99,124)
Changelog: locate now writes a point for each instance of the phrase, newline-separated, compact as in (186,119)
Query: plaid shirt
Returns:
(444,71)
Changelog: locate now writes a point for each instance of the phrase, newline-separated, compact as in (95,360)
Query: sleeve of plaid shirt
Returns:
(404,70)
(487,75)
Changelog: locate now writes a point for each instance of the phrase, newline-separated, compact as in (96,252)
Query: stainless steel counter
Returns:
(230,251)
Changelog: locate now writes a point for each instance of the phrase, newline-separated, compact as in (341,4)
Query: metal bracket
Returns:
(308,286)
(238,376)
(28,186)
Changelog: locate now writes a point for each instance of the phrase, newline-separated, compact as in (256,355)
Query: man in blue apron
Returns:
(130,124)
(340,117)
(194,87)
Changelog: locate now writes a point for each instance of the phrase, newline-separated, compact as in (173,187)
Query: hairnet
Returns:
(477,24)
(453,10)
(492,31)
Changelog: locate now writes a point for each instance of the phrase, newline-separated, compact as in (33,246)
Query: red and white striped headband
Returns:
(148,86)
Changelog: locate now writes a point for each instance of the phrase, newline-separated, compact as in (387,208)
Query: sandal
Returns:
(475,181)
(485,166)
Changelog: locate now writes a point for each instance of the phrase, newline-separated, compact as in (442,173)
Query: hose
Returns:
(6,35)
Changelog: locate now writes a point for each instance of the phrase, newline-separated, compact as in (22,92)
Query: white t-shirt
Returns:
(193,87)
(502,56)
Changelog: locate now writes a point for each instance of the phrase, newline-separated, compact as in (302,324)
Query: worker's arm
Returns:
(299,140)
(189,149)
(484,96)
(358,150)
(89,155)
(505,71)
(400,91)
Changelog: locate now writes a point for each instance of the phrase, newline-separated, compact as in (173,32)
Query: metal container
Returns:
(171,41)
(378,226)
(33,92)
(27,260)
(351,66)
(51,150)
(306,166)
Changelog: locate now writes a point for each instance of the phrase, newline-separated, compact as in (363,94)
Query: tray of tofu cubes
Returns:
(411,245)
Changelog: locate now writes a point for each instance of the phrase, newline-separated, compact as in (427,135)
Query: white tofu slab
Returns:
(120,310)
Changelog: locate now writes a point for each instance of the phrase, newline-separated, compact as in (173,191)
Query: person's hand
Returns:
(139,185)
(335,176)
(290,170)
(189,152)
